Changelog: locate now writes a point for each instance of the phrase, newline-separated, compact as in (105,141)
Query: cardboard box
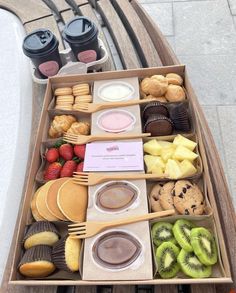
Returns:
(25,214)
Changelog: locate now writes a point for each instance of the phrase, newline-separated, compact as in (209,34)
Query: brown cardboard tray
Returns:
(25,214)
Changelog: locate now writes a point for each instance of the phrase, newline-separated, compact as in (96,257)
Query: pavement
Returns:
(203,36)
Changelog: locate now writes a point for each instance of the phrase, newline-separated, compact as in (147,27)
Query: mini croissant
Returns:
(60,124)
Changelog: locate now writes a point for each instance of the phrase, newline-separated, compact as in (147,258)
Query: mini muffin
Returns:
(174,78)
(175,93)
(66,254)
(37,262)
(42,232)
(158,125)
(154,108)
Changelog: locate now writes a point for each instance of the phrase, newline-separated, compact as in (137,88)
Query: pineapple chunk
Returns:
(158,171)
(167,153)
(152,147)
(173,170)
(187,168)
(165,144)
(153,162)
(181,153)
(183,141)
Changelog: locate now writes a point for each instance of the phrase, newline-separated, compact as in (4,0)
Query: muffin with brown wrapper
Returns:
(155,108)
(37,262)
(180,117)
(41,233)
(66,254)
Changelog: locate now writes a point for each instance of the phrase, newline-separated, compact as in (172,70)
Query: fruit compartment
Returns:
(197,162)
(39,178)
(171,106)
(200,182)
(52,104)
(218,269)
(80,117)
(58,274)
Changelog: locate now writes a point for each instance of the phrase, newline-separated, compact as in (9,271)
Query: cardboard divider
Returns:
(207,222)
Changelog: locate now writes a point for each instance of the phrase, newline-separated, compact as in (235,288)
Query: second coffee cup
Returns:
(82,35)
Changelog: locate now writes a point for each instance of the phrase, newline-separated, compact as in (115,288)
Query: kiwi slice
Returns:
(204,245)
(191,265)
(181,230)
(162,232)
(166,256)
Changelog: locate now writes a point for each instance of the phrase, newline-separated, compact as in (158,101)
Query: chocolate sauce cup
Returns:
(82,36)
(41,46)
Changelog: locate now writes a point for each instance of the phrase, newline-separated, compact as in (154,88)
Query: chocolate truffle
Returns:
(159,125)
(154,108)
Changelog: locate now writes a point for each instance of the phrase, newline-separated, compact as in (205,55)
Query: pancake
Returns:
(33,207)
(41,203)
(51,198)
(72,200)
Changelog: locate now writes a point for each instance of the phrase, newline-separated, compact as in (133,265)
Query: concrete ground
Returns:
(203,35)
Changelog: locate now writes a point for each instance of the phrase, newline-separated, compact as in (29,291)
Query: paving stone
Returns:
(227,125)
(162,15)
(213,78)
(158,1)
(214,124)
(204,27)
(232,6)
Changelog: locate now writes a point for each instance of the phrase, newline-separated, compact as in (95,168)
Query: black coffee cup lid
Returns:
(39,42)
(79,29)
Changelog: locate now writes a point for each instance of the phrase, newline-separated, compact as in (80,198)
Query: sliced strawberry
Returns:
(68,169)
(52,155)
(53,171)
(66,151)
(80,167)
(79,150)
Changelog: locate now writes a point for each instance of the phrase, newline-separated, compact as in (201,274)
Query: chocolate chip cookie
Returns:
(154,198)
(166,197)
(188,198)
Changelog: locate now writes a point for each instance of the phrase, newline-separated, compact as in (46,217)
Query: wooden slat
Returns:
(27,10)
(138,33)
(120,36)
(123,289)
(85,289)
(165,52)
(67,15)
(81,2)
(166,289)
(61,5)
(87,10)
(46,22)
(206,288)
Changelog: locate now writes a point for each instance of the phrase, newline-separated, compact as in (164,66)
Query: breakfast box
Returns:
(42,136)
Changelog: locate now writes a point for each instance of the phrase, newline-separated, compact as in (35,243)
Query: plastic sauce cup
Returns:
(41,46)
(82,35)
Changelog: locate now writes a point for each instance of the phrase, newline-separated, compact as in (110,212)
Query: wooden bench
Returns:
(133,41)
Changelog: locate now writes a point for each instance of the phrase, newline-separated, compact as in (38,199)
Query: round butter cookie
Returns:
(188,198)
(63,91)
(154,198)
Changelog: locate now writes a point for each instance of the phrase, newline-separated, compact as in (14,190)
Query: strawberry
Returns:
(68,169)
(53,171)
(79,151)
(52,155)
(80,167)
(66,151)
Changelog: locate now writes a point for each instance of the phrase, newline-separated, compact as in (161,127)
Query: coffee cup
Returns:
(82,36)
(41,46)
